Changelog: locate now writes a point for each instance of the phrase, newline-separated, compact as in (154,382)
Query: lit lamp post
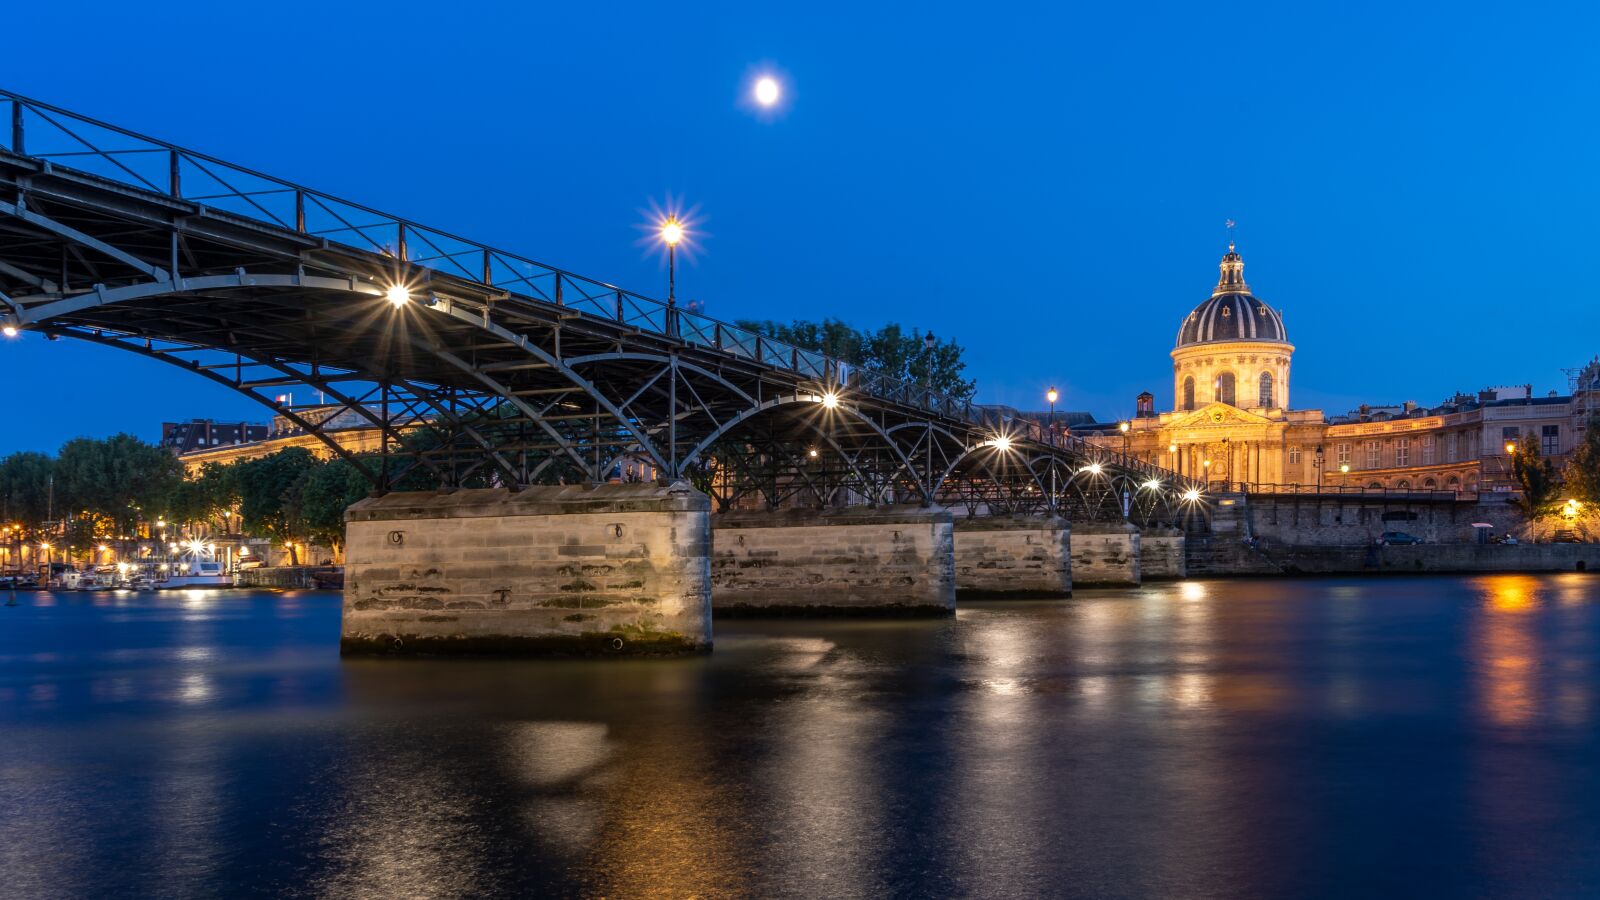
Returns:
(1511,463)
(1052,396)
(671,234)
(1123,427)
(1317,464)
(1172,457)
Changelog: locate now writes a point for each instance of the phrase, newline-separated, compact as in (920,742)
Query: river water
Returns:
(1342,737)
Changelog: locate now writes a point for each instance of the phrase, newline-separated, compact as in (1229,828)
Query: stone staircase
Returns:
(1225,554)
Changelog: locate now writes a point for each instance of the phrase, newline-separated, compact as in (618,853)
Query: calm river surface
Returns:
(1342,737)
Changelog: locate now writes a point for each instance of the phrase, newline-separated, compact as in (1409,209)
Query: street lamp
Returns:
(671,234)
(1317,464)
(1052,396)
(1123,427)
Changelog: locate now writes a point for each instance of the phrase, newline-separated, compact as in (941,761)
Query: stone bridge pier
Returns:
(620,569)
(860,561)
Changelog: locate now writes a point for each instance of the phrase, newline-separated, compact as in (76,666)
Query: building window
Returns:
(1510,434)
(1265,399)
(1374,454)
(1402,451)
(1550,440)
(1428,450)
(1188,392)
(1225,391)
(1344,454)
(1294,456)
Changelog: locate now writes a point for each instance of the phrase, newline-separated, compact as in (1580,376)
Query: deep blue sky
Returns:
(1416,185)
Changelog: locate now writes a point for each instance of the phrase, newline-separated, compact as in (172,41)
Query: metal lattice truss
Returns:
(489,369)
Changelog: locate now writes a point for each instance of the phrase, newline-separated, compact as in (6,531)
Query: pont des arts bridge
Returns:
(515,394)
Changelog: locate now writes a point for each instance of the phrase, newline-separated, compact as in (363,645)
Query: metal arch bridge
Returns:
(500,371)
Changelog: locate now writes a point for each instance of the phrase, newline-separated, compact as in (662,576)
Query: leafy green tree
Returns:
(327,492)
(890,350)
(203,497)
(1582,472)
(25,490)
(1535,476)
(270,495)
(109,482)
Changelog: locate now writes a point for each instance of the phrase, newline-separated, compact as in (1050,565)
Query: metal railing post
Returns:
(174,174)
(300,211)
(16,128)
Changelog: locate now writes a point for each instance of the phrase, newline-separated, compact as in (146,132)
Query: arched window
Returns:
(1265,398)
(1429,483)
(1225,391)
(1188,392)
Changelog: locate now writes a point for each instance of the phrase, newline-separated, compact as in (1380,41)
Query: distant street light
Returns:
(398,295)
(1052,396)
(671,234)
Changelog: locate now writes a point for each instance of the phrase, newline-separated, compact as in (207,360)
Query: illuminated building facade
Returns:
(1231,421)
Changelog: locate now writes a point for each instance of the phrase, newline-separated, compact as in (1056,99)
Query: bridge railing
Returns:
(61,137)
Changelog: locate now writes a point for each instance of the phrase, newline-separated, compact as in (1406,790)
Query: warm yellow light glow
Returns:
(1051,395)
(101,548)
(1093,468)
(830,400)
(672,231)
(1172,448)
(812,453)
(767,90)
(1511,447)
(1153,484)
(1001,443)
(44,546)
(10,330)
(1123,427)
(398,295)
(1207,463)
(1344,469)
(1191,495)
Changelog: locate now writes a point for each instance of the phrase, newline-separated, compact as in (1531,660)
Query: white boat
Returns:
(84,581)
(198,573)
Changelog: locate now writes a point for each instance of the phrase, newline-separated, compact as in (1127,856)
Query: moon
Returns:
(767,90)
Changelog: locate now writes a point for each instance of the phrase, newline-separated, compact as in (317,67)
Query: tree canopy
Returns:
(1535,476)
(890,350)
(1582,473)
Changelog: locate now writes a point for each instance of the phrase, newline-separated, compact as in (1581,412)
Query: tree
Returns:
(1582,472)
(108,482)
(328,491)
(889,350)
(270,495)
(1535,476)
(25,489)
(204,496)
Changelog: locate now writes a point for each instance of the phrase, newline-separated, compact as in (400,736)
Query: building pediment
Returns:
(1214,414)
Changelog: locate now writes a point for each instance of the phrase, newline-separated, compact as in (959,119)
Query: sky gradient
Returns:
(1414,184)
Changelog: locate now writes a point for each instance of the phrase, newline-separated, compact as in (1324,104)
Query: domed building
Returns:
(1231,423)
(1232,348)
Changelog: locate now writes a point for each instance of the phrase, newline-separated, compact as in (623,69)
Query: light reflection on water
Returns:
(1415,736)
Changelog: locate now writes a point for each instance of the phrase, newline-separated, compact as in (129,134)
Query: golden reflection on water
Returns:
(1515,687)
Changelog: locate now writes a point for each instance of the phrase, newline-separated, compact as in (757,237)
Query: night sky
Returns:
(1415,185)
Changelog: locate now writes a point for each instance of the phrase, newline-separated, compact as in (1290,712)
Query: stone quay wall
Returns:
(891,560)
(1162,554)
(1013,556)
(1105,555)
(620,568)
(1355,521)
(1437,558)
